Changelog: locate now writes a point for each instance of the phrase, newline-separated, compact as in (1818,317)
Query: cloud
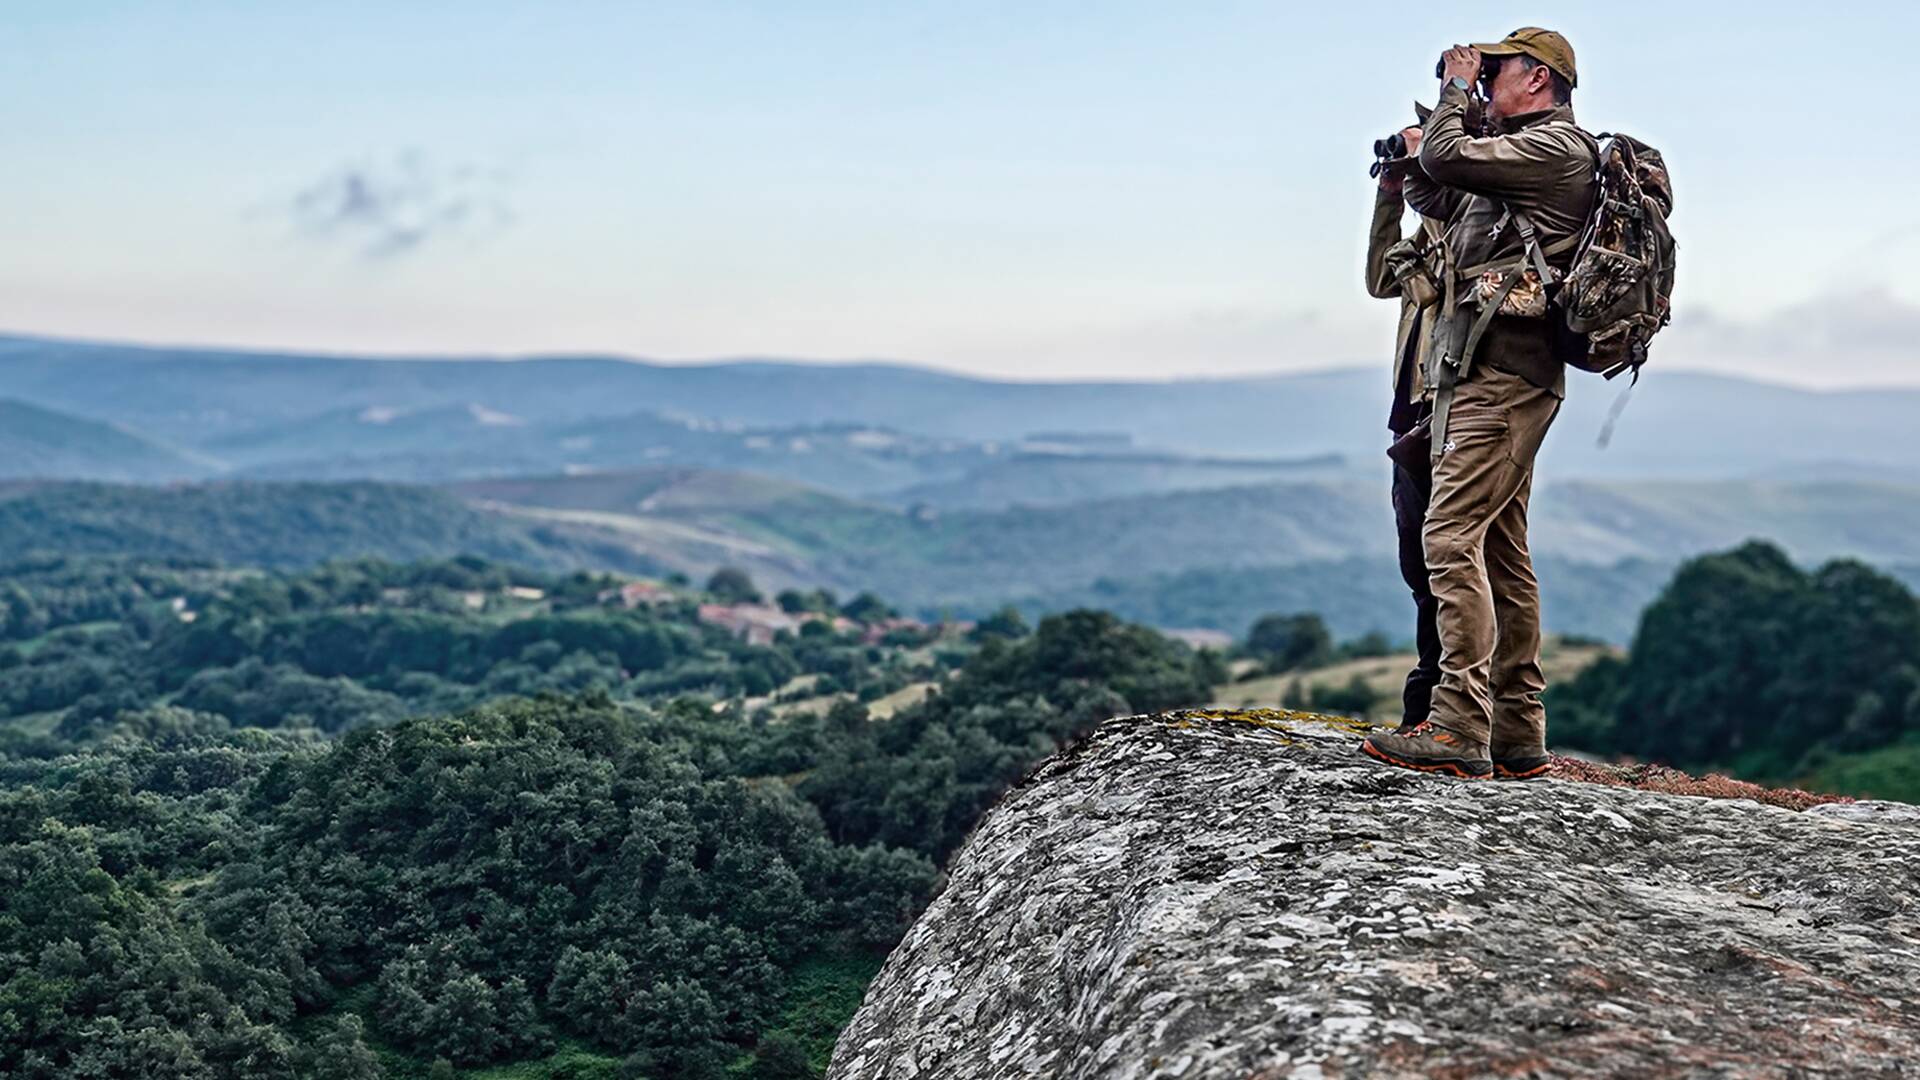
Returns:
(1867,336)
(387,209)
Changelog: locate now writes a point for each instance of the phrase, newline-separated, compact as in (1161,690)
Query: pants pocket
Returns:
(1471,469)
(1475,432)
(1528,429)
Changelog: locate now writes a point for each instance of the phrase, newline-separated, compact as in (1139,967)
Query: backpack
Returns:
(1618,292)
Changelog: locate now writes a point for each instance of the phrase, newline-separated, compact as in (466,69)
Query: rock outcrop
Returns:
(1243,895)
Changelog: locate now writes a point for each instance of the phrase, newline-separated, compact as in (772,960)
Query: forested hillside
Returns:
(1748,662)
(274,525)
(461,817)
(1355,596)
(429,819)
(1204,558)
(85,642)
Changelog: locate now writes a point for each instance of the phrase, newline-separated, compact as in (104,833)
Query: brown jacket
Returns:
(1409,343)
(1541,163)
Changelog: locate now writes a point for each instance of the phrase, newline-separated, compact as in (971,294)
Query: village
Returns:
(758,623)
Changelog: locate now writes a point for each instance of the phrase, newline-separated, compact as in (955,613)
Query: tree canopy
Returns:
(1748,661)
(356,822)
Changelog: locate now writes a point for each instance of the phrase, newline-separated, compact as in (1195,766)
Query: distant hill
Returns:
(1199,557)
(693,521)
(1679,424)
(1355,596)
(273,525)
(39,442)
(1214,558)
(375,434)
(1814,520)
(1043,479)
(934,558)
(470,440)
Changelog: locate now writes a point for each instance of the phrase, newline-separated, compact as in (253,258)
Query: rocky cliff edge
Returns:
(1242,894)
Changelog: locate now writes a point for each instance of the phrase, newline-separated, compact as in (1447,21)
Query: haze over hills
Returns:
(1201,502)
(1204,557)
(1213,558)
(1056,479)
(656,522)
(1813,520)
(1679,424)
(453,442)
(39,442)
(962,557)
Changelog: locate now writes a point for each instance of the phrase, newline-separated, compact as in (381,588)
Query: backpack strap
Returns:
(1530,239)
(1450,374)
(1531,251)
(1564,244)
(1443,385)
(1487,312)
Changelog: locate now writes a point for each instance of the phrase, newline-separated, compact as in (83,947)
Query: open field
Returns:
(1385,675)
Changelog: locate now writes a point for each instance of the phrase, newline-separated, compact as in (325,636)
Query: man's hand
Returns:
(1461,61)
(1413,136)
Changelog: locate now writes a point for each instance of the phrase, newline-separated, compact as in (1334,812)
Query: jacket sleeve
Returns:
(1504,167)
(1428,198)
(1388,209)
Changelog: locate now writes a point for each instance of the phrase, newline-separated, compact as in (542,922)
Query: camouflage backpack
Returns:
(1618,293)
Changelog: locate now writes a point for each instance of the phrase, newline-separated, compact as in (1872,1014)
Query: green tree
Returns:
(590,992)
(1290,642)
(923,778)
(731,585)
(1747,661)
(1370,644)
(868,608)
(1006,623)
(1355,698)
(1706,653)
(1295,696)
(342,1054)
(1582,711)
(465,1022)
(781,1057)
(1210,667)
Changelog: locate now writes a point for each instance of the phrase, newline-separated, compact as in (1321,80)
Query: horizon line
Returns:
(281,352)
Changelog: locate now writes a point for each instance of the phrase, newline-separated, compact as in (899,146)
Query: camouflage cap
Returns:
(1543,45)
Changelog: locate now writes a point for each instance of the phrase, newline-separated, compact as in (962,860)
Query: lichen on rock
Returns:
(1208,894)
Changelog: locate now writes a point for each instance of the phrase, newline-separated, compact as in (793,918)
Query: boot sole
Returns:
(1502,771)
(1454,767)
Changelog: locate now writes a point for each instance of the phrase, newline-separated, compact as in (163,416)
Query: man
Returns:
(1515,202)
(1388,254)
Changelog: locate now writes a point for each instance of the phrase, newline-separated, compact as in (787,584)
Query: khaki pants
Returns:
(1481,573)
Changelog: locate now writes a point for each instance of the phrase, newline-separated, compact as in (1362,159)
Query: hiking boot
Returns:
(1431,749)
(1521,762)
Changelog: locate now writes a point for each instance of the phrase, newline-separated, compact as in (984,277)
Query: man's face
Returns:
(1514,87)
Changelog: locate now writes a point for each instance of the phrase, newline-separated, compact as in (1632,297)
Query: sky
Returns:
(1036,190)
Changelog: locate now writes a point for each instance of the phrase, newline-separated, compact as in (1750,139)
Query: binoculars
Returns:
(1393,146)
(1488,66)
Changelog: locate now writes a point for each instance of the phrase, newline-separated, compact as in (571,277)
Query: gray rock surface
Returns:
(1244,895)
